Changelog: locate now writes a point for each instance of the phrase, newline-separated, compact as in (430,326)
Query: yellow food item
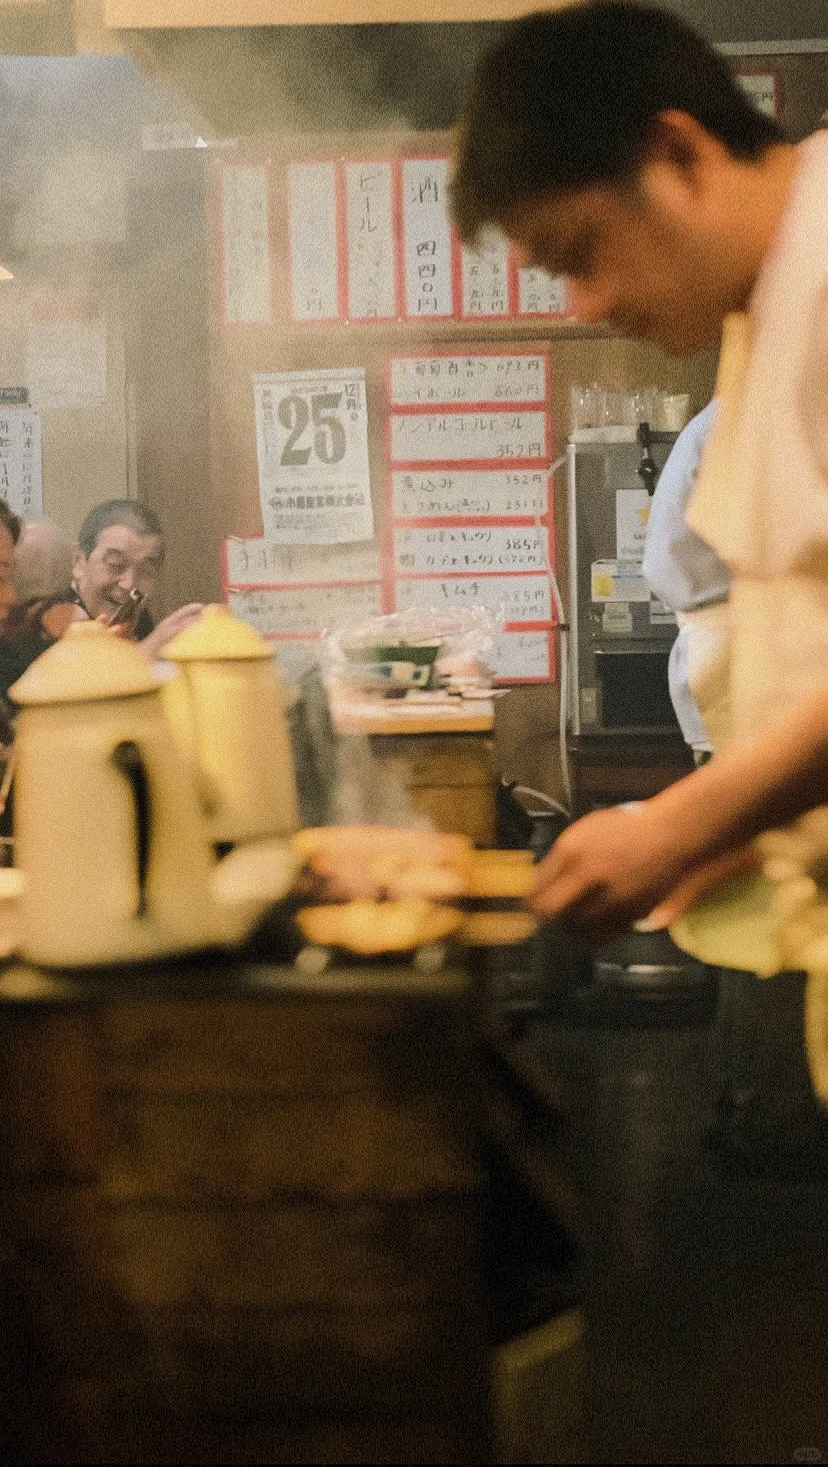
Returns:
(370,928)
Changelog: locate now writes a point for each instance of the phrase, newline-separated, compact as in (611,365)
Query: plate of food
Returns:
(372,928)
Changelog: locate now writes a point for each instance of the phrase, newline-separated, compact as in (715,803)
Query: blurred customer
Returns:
(118,560)
(690,579)
(43,602)
(10,527)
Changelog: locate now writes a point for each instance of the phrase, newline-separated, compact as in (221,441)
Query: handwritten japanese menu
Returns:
(369,194)
(371,240)
(314,264)
(469,495)
(245,218)
(21,476)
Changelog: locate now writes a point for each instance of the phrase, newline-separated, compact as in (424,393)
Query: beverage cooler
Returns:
(620,635)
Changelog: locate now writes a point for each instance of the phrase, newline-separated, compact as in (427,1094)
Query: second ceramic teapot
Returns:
(226,710)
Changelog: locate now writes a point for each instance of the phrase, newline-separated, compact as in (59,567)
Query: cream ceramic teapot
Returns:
(226,710)
(116,863)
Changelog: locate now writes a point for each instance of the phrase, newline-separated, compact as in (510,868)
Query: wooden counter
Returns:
(242,1217)
(441,752)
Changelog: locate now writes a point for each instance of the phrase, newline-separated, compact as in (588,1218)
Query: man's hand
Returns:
(152,645)
(608,869)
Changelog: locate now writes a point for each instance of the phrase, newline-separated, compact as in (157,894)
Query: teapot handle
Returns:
(129,762)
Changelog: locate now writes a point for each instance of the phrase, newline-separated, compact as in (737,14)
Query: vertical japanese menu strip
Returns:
(21,475)
(370,241)
(485,280)
(314,242)
(469,495)
(245,244)
(426,239)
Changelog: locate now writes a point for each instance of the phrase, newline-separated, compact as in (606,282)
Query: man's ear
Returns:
(78,560)
(681,158)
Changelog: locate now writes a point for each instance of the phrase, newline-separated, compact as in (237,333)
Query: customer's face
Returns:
(122,560)
(632,260)
(6,582)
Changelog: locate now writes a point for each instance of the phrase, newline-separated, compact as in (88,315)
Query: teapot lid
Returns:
(88,662)
(217,636)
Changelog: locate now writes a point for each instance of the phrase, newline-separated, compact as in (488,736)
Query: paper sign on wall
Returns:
(540,294)
(21,477)
(523,657)
(260,562)
(467,493)
(426,238)
(484,274)
(632,512)
(486,377)
(246,244)
(763,90)
(314,261)
(458,437)
(305,609)
(67,362)
(460,549)
(369,208)
(508,598)
(312,445)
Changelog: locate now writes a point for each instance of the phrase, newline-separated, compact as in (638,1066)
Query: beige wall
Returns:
(85,454)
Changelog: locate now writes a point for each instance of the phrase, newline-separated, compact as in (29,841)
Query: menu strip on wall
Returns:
(427,250)
(21,473)
(245,239)
(476,377)
(539,294)
(314,241)
(484,279)
(308,609)
(468,493)
(370,245)
(452,549)
(259,562)
(371,240)
(468,496)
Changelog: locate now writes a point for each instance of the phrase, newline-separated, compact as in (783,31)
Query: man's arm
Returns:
(615,866)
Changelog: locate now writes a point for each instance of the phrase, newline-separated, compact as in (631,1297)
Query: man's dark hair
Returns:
(566,99)
(130,512)
(10,521)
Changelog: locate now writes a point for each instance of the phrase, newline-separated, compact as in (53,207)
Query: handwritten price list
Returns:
(371,240)
(466,531)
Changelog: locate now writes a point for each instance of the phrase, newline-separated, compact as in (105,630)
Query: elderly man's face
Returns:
(122,560)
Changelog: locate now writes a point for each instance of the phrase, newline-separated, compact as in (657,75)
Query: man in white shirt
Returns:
(690,578)
(641,172)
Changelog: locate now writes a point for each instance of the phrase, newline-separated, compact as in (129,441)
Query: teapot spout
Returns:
(248,881)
